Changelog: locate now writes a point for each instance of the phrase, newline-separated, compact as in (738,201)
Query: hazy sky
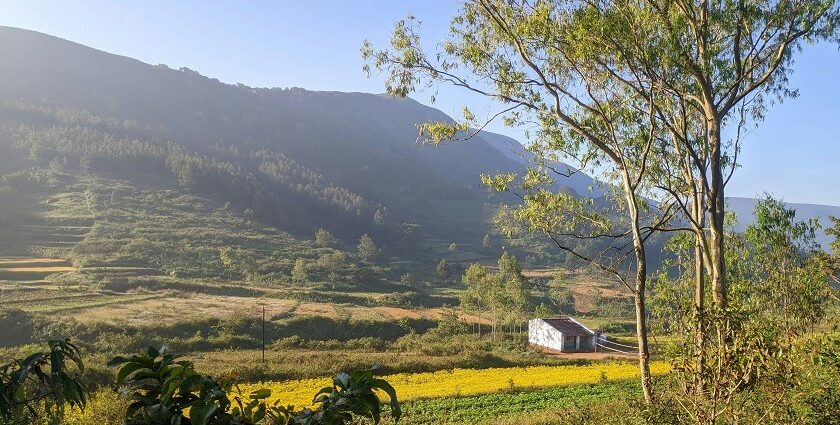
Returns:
(794,154)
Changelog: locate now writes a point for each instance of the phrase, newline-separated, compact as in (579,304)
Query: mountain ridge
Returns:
(294,151)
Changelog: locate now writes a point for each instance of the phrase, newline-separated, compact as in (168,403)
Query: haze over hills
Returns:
(743,208)
(579,182)
(292,159)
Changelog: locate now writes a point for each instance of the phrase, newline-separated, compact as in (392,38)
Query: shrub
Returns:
(16,326)
(43,382)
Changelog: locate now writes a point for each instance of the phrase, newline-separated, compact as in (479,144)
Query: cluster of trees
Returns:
(332,262)
(641,93)
(775,262)
(501,296)
(274,187)
(50,147)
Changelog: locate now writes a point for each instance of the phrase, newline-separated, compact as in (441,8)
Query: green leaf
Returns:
(260,394)
(201,413)
(126,370)
(385,386)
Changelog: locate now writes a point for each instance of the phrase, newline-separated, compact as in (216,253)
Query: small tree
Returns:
(367,249)
(380,217)
(479,282)
(514,289)
(487,243)
(560,294)
(442,270)
(834,231)
(408,279)
(300,273)
(453,247)
(450,324)
(543,310)
(240,262)
(333,262)
(784,268)
(325,239)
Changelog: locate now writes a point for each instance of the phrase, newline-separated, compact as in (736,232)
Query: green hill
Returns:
(112,162)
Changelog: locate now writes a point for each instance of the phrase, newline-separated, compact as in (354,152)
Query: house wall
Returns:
(542,334)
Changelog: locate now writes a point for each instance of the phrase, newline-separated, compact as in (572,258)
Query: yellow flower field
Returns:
(464,382)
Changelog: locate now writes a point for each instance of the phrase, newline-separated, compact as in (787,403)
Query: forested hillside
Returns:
(291,159)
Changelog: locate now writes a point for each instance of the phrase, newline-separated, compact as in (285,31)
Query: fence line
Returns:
(620,345)
(617,351)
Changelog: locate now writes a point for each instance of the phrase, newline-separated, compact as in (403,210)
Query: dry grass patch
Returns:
(397,313)
(171,309)
(316,309)
(19,269)
(539,272)
(366,313)
(52,269)
(6,263)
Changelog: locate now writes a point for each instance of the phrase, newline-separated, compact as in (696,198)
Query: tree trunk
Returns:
(644,353)
(717,215)
(699,294)
(639,299)
(494,324)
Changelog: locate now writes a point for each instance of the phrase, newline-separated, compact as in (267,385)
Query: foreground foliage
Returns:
(44,381)
(162,389)
(166,390)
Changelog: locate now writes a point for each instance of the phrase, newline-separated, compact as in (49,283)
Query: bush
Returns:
(42,382)
(397,299)
(16,327)
(367,343)
(432,344)
(324,328)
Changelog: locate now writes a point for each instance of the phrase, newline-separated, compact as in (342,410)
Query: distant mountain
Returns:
(577,181)
(743,208)
(293,158)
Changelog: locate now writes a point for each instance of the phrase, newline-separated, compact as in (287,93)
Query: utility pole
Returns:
(263,333)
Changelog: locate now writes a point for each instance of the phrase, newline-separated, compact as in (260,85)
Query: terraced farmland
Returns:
(32,269)
(43,223)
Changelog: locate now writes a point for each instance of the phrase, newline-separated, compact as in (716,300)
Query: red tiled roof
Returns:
(569,327)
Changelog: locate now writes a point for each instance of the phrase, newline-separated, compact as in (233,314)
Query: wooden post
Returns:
(263,334)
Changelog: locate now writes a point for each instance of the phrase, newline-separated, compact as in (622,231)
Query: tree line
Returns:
(273,186)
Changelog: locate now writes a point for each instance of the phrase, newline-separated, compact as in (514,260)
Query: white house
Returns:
(562,334)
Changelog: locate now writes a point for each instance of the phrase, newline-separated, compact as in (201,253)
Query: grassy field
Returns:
(513,407)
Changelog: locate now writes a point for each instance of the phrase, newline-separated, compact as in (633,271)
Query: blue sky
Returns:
(794,154)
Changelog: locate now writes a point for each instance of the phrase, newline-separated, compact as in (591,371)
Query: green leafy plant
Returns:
(350,394)
(42,382)
(165,390)
(257,410)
